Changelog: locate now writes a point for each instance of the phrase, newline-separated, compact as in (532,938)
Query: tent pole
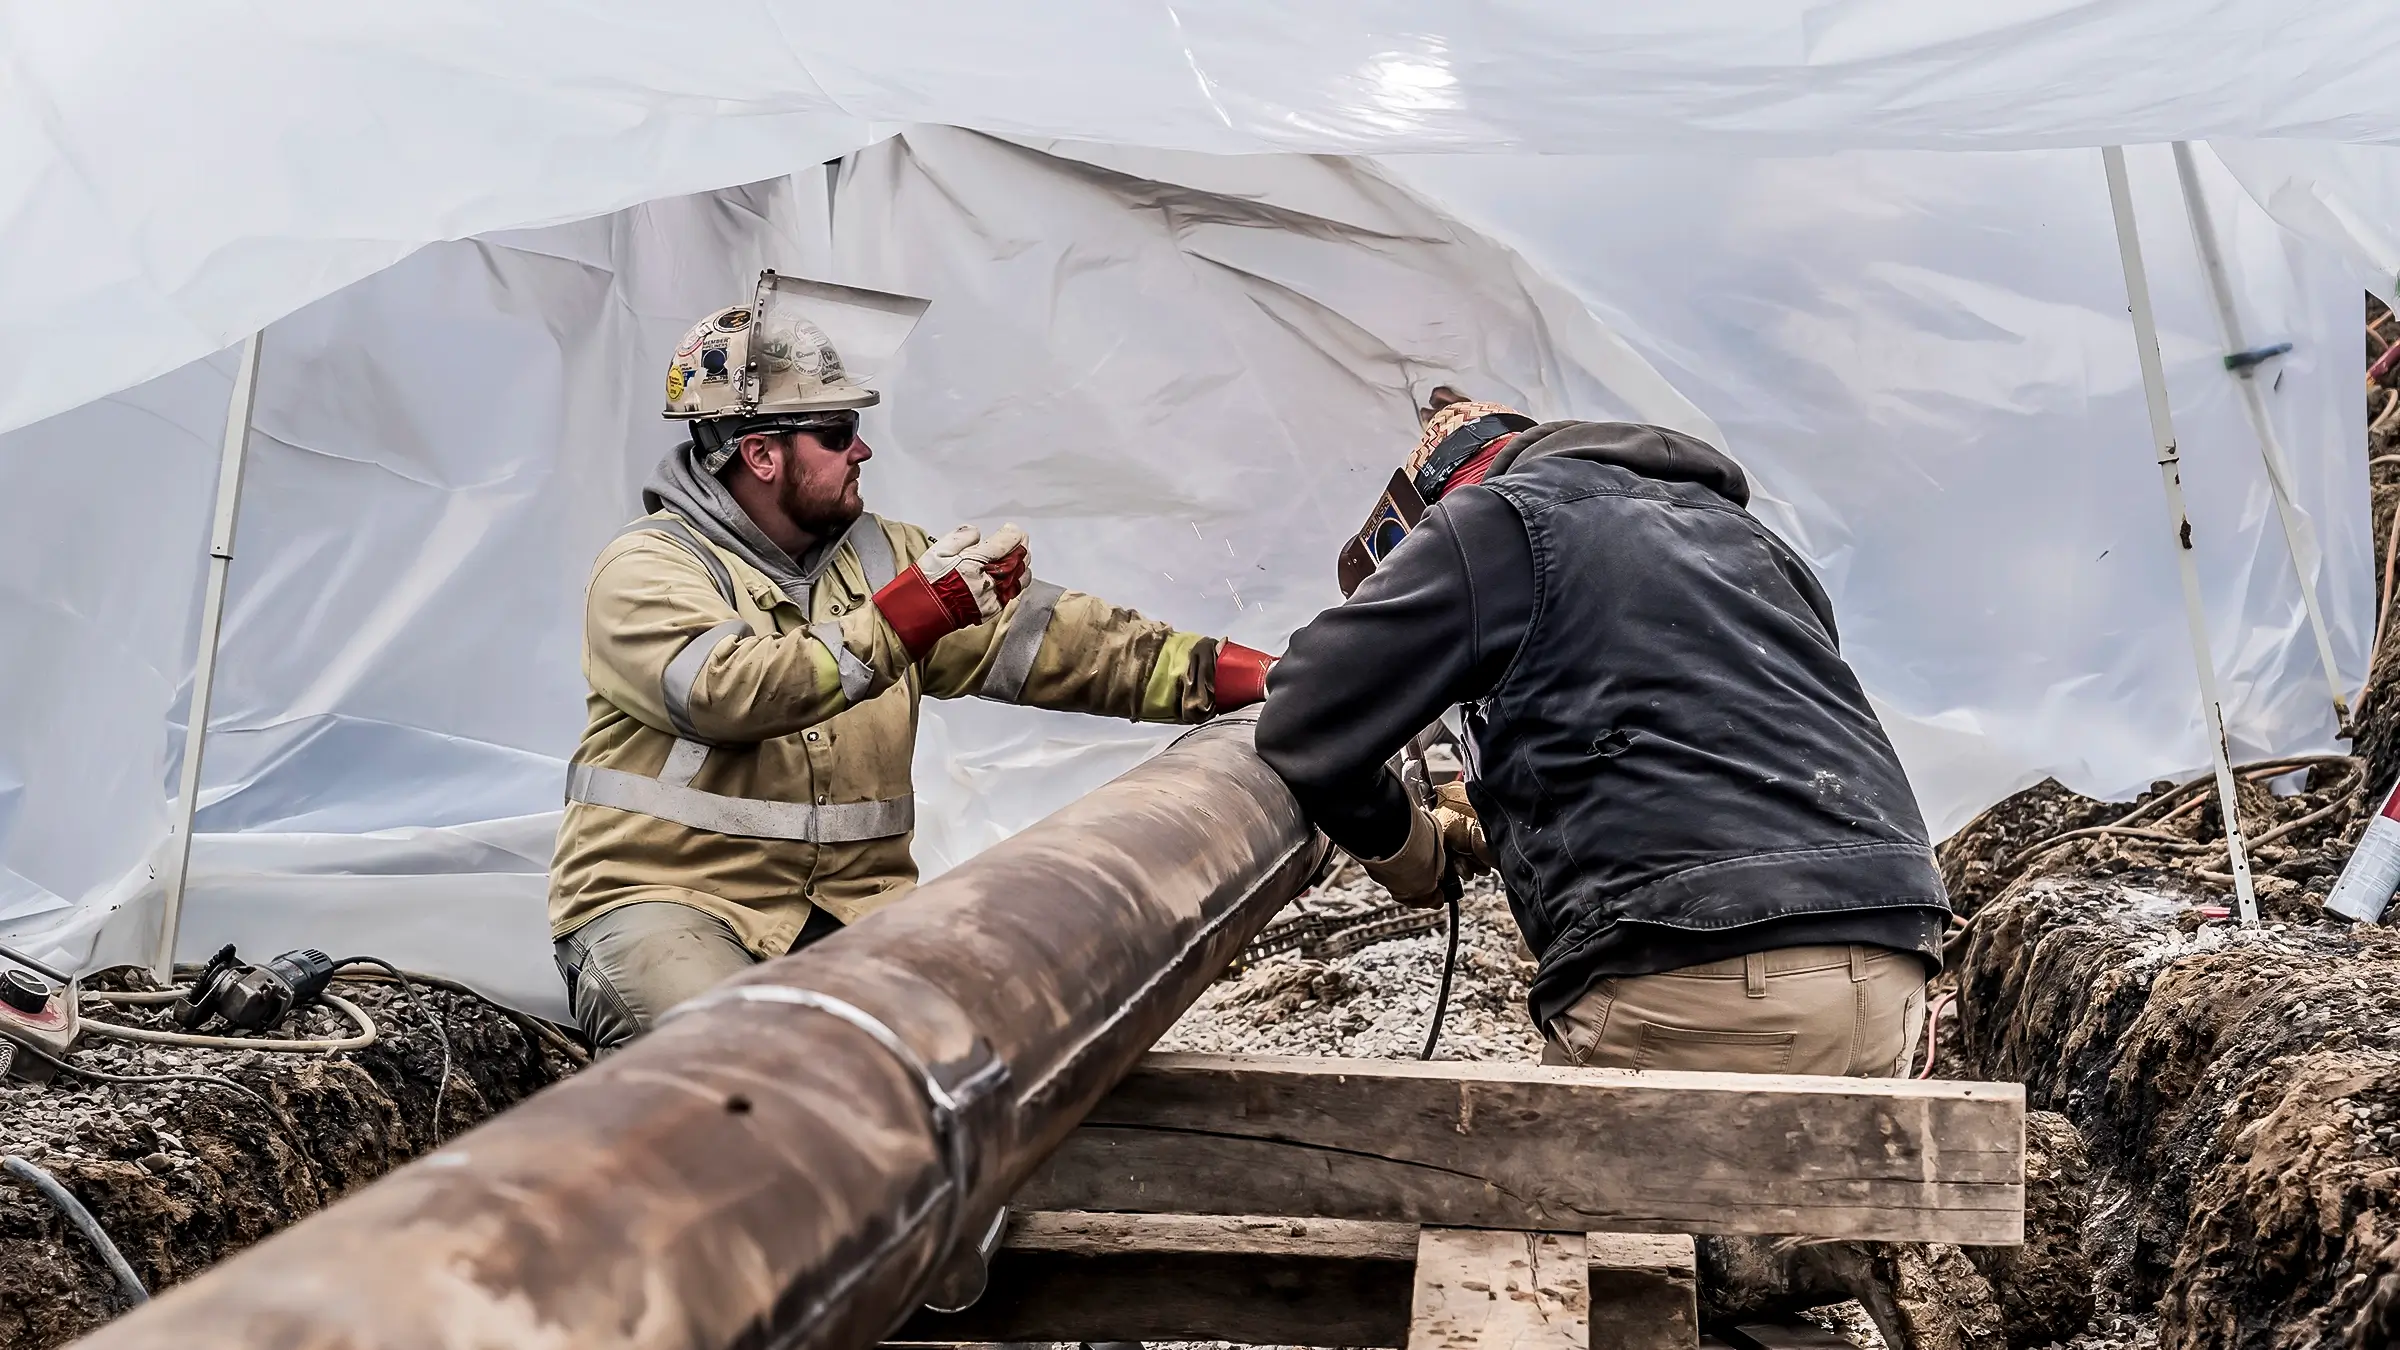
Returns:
(238,410)
(2299,535)
(2170,471)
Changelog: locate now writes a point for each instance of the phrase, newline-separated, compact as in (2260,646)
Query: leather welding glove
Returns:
(963,580)
(1414,874)
(1241,675)
(1462,830)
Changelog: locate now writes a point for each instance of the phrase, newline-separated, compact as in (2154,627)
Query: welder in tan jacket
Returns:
(756,647)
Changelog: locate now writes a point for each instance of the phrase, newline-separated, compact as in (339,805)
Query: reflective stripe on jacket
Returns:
(747,751)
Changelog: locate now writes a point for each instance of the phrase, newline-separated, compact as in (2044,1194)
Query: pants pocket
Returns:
(1577,1032)
(1667,1046)
(599,1008)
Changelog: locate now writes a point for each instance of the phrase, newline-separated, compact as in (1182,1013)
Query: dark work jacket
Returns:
(1670,757)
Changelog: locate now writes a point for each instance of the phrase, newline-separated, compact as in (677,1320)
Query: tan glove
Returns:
(963,580)
(1462,830)
(1414,874)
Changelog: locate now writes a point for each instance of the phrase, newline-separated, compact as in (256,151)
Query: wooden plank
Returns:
(1176,1277)
(1645,1291)
(1483,1290)
(1545,1148)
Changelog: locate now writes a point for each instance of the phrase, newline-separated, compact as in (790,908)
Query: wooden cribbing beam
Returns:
(1269,1281)
(1538,1148)
(1481,1290)
(1645,1291)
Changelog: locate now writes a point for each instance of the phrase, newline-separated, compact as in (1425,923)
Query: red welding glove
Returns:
(1241,675)
(963,580)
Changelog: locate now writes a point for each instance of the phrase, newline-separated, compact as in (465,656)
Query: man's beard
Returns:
(824,515)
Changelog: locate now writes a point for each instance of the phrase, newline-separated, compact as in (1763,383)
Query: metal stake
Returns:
(2170,472)
(2299,534)
(238,411)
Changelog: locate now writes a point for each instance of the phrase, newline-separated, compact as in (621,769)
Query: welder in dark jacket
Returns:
(1702,828)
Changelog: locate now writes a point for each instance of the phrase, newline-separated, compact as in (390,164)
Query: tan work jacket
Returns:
(748,751)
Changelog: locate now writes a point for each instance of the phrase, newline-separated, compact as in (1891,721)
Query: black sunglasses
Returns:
(836,433)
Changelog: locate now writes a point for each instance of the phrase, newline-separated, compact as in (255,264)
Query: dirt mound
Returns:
(2236,1089)
(182,1174)
(2299,815)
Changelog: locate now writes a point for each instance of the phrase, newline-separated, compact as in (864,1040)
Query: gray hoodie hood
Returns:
(678,485)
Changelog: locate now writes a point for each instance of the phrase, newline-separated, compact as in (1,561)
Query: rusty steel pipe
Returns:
(769,1167)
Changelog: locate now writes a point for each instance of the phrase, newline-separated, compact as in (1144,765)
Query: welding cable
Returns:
(116,1030)
(441,1027)
(2342,803)
(1933,1028)
(2384,419)
(1441,1001)
(85,1224)
(2383,363)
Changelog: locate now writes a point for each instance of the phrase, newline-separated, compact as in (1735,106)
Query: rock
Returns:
(1937,1300)
(158,1164)
(2045,1286)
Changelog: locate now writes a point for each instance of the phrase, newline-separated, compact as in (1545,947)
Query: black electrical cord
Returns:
(435,1019)
(1441,1001)
(66,1203)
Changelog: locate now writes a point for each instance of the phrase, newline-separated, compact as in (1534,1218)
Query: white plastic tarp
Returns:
(172,177)
(2345,198)
(1187,375)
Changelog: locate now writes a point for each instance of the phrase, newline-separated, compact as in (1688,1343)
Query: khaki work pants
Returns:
(1851,1011)
(625,968)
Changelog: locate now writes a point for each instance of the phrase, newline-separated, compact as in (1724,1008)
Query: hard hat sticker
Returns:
(676,375)
(733,320)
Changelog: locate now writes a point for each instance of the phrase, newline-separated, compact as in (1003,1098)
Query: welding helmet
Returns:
(774,365)
(1457,440)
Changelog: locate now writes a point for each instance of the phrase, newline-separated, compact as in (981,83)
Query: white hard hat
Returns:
(777,354)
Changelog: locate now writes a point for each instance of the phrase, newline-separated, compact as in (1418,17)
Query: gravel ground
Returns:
(1375,1003)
